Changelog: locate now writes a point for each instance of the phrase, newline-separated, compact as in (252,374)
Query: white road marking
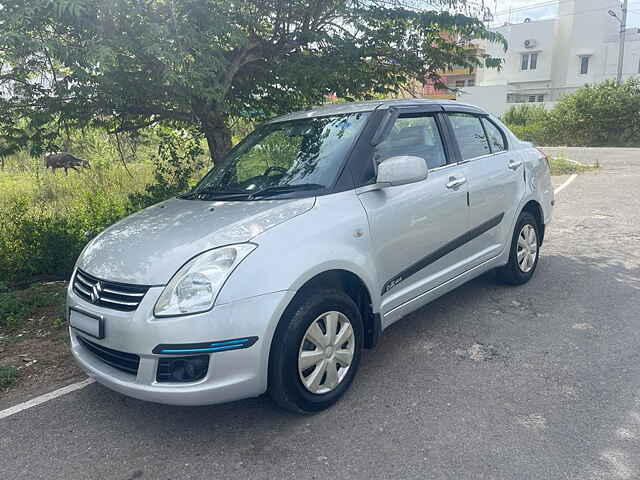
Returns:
(565,184)
(45,398)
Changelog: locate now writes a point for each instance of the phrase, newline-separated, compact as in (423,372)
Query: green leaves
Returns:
(126,64)
(605,114)
(601,115)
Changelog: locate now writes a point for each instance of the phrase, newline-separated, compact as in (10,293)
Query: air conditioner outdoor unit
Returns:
(530,43)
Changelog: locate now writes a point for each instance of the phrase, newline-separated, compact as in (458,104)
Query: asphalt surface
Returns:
(489,382)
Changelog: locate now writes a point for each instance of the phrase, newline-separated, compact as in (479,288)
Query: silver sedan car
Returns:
(314,234)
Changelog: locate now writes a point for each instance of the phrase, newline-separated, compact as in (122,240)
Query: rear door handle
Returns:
(514,164)
(456,182)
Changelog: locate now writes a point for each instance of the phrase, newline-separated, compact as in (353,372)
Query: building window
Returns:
(459,83)
(541,98)
(529,61)
(532,98)
(584,64)
(471,82)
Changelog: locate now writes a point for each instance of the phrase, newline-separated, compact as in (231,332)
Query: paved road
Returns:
(489,382)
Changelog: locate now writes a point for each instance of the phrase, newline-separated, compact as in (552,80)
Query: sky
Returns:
(539,9)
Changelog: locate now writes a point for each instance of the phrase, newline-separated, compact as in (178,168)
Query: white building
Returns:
(548,58)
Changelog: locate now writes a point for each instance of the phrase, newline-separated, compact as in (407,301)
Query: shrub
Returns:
(602,115)
(48,218)
(179,158)
(528,122)
(525,114)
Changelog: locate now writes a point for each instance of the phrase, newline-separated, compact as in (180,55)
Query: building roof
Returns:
(366,106)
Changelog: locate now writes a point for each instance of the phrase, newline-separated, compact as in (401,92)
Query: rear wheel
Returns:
(524,253)
(315,352)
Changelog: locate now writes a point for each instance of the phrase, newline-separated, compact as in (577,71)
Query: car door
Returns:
(412,226)
(495,183)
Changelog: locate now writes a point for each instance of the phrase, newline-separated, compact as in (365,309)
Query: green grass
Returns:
(8,375)
(44,300)
(47,218)
(561,166)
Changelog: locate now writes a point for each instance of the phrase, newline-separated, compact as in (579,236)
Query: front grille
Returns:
(118,296)
(127,362)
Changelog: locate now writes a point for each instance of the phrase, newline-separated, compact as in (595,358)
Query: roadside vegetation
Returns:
(48,217)
(562,166)
(601,115)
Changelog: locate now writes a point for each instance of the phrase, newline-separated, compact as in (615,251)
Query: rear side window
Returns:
(413,135)
(496,138)
(470,135)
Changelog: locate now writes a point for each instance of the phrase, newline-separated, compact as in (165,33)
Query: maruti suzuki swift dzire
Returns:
(297,250)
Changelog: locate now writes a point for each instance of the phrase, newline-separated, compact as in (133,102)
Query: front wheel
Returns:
(524,253)
(315,352)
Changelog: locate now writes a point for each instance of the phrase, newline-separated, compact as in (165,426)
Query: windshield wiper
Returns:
(282,189)
(211,192)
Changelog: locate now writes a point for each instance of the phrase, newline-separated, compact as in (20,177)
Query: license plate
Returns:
(86,323)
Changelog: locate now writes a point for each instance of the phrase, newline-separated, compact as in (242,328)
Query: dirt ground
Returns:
(39,351)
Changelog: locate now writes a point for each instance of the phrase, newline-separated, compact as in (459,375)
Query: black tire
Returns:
(285,386)
(511,273)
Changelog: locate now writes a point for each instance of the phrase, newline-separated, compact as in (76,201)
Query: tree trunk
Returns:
(218,134)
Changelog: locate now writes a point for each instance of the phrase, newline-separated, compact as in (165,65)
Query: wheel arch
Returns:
(535,209)
(354,286)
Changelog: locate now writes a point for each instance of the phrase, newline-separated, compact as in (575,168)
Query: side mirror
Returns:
(402,170)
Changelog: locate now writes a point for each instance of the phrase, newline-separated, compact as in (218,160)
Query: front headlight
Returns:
(195,287)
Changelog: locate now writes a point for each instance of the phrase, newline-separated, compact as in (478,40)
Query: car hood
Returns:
(148,247)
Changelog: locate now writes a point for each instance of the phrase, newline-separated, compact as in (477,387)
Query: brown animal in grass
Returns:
(64,160)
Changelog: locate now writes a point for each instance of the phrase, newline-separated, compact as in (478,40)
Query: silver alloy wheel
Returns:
(326,352)
(527,250)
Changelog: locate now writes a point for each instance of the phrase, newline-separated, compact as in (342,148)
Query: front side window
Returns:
(415,135)
(496,139)
(285,156)
(470,135)
(584,65)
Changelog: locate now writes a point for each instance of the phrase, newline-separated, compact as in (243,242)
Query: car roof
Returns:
(370,105)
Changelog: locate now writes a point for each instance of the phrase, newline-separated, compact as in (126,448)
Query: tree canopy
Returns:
(126,64)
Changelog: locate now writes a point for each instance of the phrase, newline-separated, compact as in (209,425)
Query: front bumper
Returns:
(232,374)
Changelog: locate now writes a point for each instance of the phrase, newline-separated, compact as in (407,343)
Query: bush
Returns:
(602,115)
(47,218)
(525,114)
(529,122)
(180,157)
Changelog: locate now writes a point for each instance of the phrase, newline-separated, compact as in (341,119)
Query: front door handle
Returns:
(514,164)
(456,182)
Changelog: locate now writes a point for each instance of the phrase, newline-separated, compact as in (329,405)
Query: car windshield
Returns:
(284,157)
